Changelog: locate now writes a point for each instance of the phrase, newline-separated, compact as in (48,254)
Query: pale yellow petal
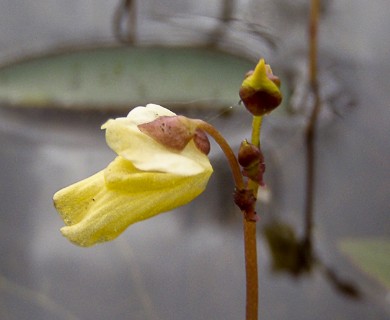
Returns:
(148,113)
(73,202)
(114,210)
(140,115)
(122,175)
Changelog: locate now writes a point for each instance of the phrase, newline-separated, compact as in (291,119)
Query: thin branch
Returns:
(312,123)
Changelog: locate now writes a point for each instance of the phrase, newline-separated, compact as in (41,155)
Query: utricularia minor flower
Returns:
(162,164)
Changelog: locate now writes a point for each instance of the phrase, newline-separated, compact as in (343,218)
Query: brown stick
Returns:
(312,124)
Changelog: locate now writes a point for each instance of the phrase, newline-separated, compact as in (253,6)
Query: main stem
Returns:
(252,281)
(252,288)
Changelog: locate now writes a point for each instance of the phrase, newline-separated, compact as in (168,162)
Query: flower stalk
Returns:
(227,150)
(260,93)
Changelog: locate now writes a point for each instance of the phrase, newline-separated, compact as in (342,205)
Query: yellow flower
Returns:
(145,179)
(260,91)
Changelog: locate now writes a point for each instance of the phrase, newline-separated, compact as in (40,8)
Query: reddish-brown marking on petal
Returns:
(202,141)
(170,131)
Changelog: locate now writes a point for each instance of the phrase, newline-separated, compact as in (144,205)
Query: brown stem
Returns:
(252,290)
(252,281)
(227,150)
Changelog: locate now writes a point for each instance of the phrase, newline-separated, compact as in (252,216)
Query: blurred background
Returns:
(68,66)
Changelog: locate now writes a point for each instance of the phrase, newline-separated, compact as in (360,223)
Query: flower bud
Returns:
(251,159)
(260,91)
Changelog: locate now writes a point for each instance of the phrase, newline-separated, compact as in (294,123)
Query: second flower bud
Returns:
(251,159)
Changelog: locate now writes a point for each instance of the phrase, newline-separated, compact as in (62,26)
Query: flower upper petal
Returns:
(146,114)
(125,138)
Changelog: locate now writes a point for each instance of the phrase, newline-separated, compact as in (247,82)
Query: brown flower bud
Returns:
(260,91)
(251,159)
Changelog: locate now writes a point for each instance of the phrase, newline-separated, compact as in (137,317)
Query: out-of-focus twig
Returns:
(310,134)
(125,14)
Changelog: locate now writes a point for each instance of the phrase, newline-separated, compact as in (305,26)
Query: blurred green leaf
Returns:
(120,77)
(371,256)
